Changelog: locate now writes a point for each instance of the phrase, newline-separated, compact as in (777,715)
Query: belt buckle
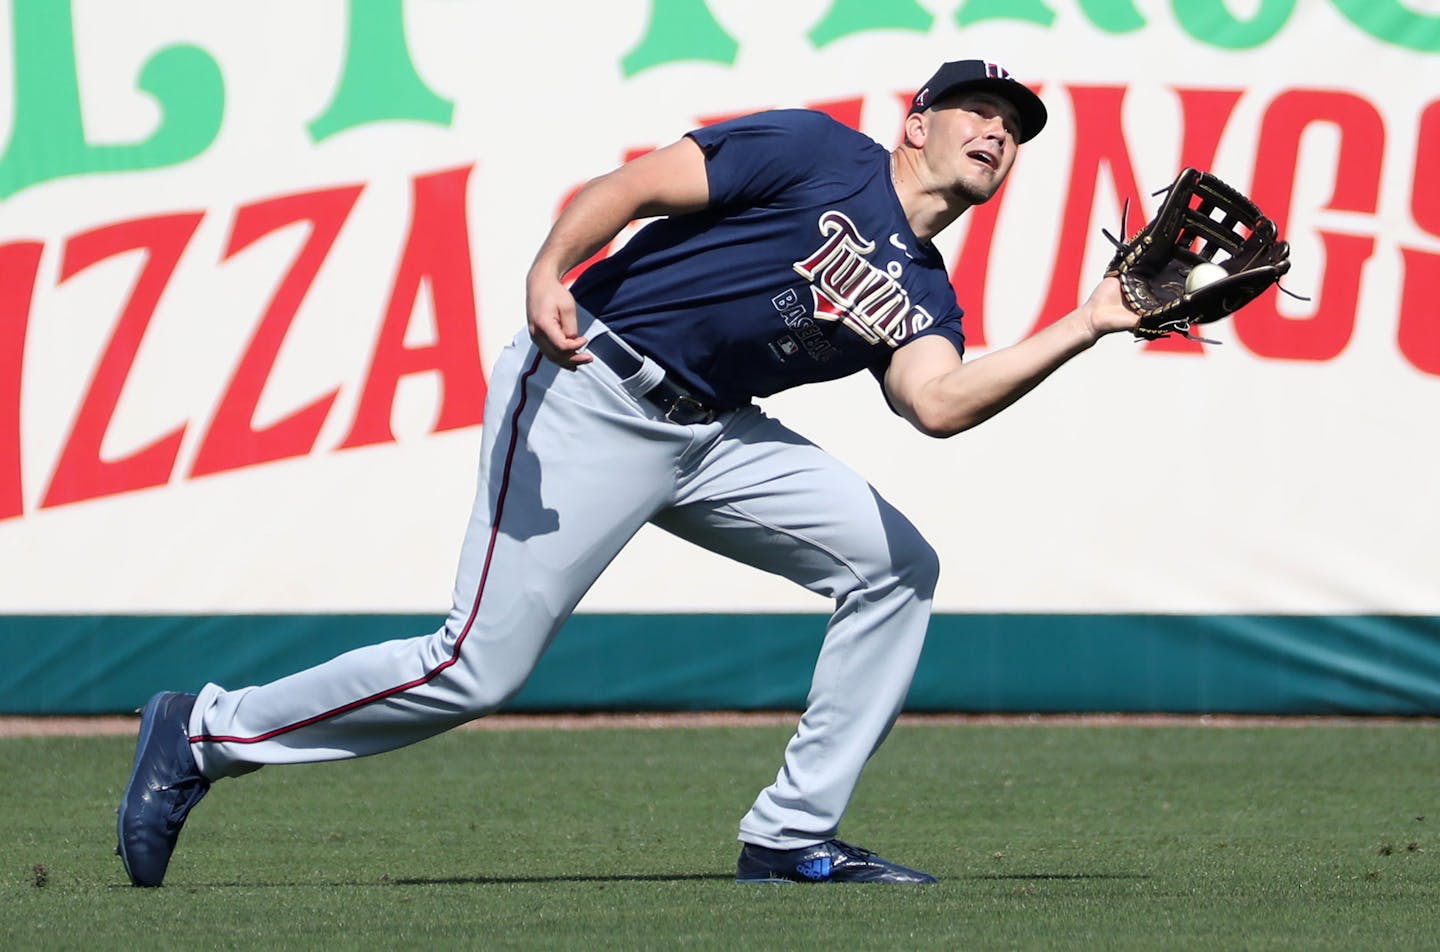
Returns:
(694,411)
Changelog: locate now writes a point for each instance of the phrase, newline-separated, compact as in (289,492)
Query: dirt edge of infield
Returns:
(112,725)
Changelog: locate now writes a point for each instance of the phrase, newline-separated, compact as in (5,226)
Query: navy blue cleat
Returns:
(828,862)
(164,786)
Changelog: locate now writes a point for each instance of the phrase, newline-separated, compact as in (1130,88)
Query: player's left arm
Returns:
(671,180)
(941,395)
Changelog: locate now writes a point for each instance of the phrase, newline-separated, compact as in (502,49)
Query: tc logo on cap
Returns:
(953,75)
(974,75)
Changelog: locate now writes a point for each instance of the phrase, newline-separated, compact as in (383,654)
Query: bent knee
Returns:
(478,677)
(907,561)
(918,566)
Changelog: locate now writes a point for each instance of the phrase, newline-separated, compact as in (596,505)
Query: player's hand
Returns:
(1105,309)
(550,313)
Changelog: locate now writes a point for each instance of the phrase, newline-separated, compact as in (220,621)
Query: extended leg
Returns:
(569,471)
(769,498)
(551,510)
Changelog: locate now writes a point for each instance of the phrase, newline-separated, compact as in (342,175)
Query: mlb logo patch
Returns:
(785,347)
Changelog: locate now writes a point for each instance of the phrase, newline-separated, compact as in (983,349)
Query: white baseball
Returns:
(1202,274)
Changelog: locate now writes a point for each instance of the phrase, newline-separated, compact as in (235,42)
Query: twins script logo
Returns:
(851,290)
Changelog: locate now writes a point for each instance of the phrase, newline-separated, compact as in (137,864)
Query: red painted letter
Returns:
(847,111)
(80,472)
(232,440)
(18,264)
(1099,139)
(437,252)
(603,253)
(972,261)
(1323,334)
(1206,112)
(1420,300)
(972,266)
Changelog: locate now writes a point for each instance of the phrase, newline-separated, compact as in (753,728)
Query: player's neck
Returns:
(929,208)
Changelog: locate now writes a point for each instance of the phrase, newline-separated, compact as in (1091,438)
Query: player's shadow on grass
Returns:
(512,880)
(631,878)
(707,877)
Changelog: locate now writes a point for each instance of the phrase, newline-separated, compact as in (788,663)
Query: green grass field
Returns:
(1056,837)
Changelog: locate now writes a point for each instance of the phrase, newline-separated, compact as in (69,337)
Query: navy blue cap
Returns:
(980,76)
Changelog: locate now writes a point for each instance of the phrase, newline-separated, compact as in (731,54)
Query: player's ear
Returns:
(914,130)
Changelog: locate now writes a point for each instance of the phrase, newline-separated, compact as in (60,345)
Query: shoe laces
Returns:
(856,852)
(189,792)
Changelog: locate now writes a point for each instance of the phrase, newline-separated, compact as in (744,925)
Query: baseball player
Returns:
(792,250)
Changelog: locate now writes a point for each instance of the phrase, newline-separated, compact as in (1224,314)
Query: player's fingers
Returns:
(553,323)
(572,343)
(569,356)
(565,315)
(559,345)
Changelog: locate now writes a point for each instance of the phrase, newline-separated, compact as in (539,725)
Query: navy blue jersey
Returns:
(803,267)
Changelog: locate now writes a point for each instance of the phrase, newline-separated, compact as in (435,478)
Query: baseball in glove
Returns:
(1207,253)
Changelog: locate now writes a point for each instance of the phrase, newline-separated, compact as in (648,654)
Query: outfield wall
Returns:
(254,266)
(759,661)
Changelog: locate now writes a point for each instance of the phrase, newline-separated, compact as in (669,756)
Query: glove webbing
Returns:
(1200,224)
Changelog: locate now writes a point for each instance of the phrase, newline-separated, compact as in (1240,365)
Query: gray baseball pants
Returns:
(572,465)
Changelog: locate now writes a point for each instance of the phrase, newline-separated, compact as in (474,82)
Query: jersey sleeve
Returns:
(753,159)
(950,327)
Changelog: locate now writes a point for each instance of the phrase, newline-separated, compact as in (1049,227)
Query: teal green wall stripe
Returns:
(1278,664)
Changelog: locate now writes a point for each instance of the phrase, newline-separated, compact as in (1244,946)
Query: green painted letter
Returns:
(846,17)
(975,11)
(1387,20)
(47,140)
(1113,16)
(680,30)
(1209,21)
(379,81)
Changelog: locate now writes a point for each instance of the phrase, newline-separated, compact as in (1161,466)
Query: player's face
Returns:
(970,141)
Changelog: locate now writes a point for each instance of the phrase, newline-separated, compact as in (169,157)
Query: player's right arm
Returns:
(668,181)
(941,395)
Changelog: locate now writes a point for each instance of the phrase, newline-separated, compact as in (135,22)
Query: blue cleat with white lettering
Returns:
(828,862)
(165,784)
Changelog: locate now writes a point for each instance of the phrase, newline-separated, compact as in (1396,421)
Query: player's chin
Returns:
(978,189)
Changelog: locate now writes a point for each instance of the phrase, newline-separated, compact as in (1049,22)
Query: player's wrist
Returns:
(542,273)
(1087,325)
(1104,311)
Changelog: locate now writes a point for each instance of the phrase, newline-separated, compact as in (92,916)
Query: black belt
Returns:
(678,404)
